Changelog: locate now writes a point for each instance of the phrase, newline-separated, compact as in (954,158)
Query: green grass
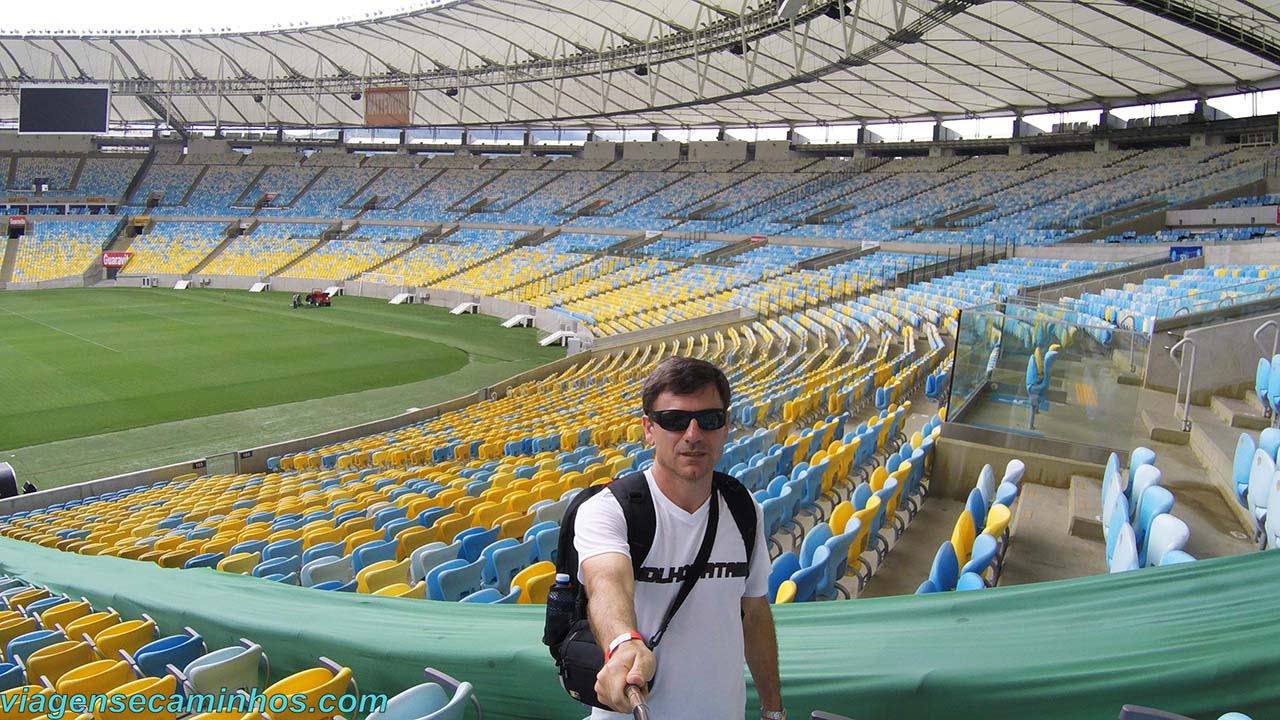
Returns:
(144,377)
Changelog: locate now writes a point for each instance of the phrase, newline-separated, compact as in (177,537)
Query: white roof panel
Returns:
(573,62)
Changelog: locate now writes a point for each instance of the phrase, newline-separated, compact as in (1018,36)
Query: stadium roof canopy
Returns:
(618,63)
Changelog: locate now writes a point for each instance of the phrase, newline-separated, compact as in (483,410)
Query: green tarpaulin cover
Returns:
(1199,639)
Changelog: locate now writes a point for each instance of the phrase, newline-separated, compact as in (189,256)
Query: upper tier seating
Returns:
(1139,306)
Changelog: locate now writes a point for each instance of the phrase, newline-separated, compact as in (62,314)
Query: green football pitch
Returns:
(91,363)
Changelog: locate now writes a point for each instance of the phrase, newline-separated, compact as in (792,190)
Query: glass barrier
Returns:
(1047,371)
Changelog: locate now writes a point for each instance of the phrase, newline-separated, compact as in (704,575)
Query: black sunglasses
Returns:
(678,420)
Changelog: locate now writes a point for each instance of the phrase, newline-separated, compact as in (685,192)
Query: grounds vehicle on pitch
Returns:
(315,298)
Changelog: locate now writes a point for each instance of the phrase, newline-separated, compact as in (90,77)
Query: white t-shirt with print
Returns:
(700,658)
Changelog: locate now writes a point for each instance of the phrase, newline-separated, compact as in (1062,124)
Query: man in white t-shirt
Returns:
(726,617)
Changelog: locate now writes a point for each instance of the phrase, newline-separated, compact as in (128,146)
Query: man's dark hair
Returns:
(682,376)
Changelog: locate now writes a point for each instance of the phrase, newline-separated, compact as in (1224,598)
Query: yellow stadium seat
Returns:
(412,538)
(840,516)
(128,636)
(312,684)
(12,627)
(534,582)
(21,600)
(381,574)
(91,624)
(51,662)
(147,687)
(997,520)
(962,537)
(360,537)
(448,527)
(60,615)
(315,537)
(513,525)
(418,591)
(168,542)
(786,592)
(95,678)
(16,712)
(240,563)
(355,525)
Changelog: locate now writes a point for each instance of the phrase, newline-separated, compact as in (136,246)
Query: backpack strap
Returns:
(632,493)
(566,553)
(742,506)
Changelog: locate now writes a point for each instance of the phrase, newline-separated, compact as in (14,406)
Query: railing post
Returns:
(1187,359)
(1275,341)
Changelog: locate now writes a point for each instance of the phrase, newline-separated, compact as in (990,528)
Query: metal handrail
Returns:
(1275,341)
(1133,339)
(1187,358)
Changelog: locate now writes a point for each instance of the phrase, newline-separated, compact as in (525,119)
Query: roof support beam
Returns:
(1256,40)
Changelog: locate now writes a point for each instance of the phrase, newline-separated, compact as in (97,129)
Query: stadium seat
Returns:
(783,567)
(97,677)
(1241,464)
(11,676)
(1155,501)
(326,569)
(1125,555)
(1167,533)
(1143,478)
(427,557)
(443,698)
(17,649)
(945,570)
(534,581)
(808,580)
(970,581)
(373,552)
(127,636)
(221,673)
(382,574)
(48,664)
(1261,479)
(177,650)
(984,552)
(146,687)
(327,681)
(1262,384)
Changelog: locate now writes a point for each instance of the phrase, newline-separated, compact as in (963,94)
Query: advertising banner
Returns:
(115,259)
(386,107)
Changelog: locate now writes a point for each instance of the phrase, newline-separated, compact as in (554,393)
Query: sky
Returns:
(98,16)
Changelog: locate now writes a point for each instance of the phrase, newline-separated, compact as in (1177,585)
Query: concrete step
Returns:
(1084,508)
(1162,427)
(1238,413)
(1254,402)
(1040,546)
(907,565)
(1214,445)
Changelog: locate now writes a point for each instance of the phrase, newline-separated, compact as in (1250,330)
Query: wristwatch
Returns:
(773,714)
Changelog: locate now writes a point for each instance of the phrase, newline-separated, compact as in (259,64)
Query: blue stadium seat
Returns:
(945,570)
(178,650)
(458,581)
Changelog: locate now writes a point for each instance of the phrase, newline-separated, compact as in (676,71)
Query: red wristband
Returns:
(624,637)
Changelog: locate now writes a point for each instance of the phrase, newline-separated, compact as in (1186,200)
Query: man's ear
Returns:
(647,425)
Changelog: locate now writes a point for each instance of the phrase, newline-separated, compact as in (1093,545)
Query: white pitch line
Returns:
(64,332)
